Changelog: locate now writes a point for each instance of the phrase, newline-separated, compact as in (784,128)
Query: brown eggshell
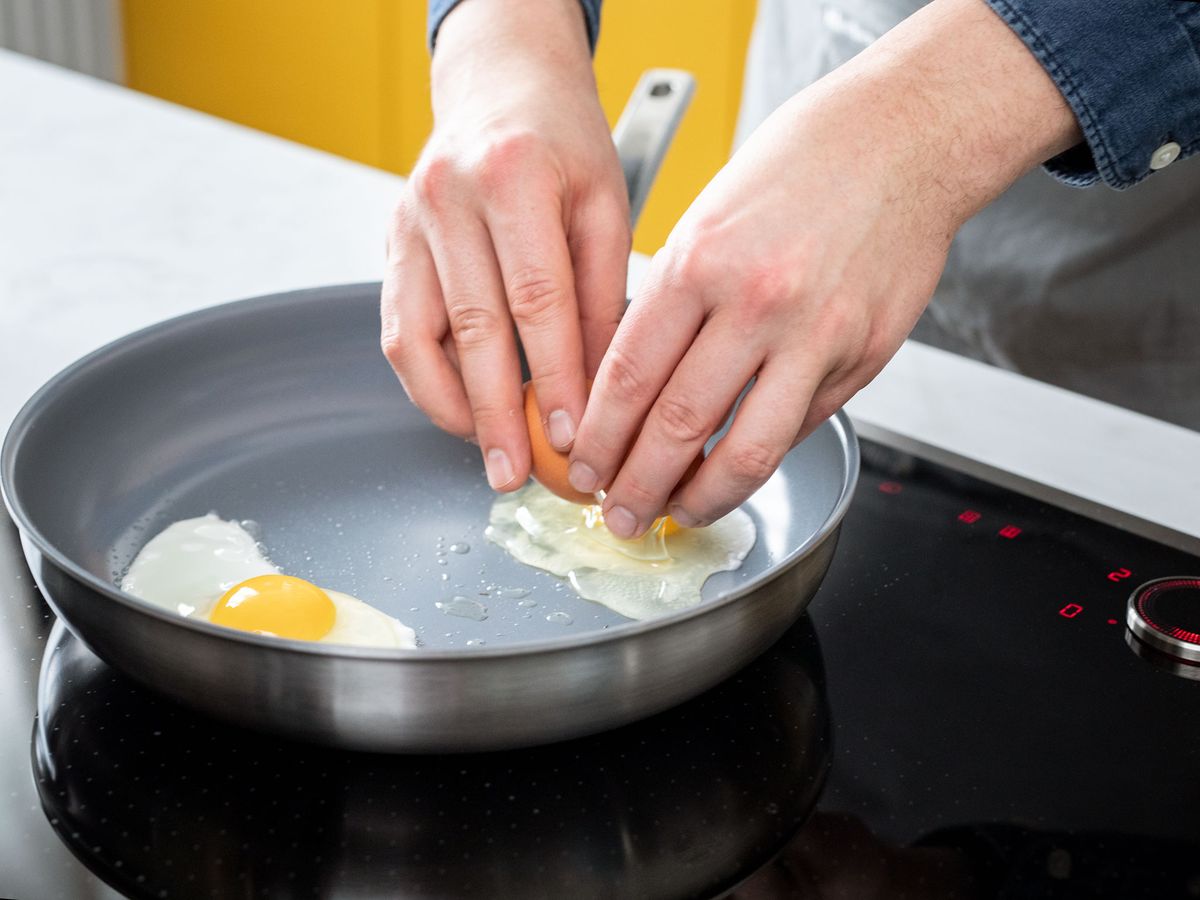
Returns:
(550,465)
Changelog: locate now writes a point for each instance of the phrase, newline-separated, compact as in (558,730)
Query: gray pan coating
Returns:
(282,410)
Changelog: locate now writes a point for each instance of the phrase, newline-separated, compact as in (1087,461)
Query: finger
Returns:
(653,336)
(487,351)
(764,428)
(413,325)
(599,240)
(690,409)
(531,248)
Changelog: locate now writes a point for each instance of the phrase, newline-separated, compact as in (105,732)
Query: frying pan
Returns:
(282,410)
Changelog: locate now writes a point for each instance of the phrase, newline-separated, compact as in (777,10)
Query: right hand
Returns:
(516,213)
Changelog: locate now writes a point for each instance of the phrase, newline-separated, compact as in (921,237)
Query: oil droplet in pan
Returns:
(464,607)
(559,618)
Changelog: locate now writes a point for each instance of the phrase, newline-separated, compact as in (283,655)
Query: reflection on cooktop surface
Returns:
(163,802)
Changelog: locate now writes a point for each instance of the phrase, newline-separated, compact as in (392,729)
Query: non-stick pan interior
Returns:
(282,411)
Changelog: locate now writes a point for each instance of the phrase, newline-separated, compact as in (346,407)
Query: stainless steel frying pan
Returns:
(281,409)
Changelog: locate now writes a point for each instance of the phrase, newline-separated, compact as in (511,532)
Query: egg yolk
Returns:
(279,605)
(669,526)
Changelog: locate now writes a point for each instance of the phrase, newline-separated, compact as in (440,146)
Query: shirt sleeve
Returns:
(439,9)
(1130,70)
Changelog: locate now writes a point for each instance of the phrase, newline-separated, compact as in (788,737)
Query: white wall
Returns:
(84,35)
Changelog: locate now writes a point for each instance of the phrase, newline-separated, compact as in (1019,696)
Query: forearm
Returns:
(488,42)
(959,100)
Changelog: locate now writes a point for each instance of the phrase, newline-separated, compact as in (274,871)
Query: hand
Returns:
(807,260)
(516,213)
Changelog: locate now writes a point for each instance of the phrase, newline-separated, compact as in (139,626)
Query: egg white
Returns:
(653,575)
(359,624)
(190,564)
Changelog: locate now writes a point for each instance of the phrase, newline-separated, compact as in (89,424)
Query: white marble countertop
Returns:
(118,210)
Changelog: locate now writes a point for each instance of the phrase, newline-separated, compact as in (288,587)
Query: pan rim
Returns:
(29,412)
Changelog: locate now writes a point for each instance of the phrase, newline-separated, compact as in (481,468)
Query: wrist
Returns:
(961,104)
(483,44)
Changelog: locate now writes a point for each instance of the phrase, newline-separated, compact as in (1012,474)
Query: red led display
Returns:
(1112,621)
(1168,584)
(969,516)
(1183,634)
(1009,531)
(1070,611)
(891,487)
(1119,575)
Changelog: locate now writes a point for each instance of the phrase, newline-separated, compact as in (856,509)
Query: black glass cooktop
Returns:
(962,714)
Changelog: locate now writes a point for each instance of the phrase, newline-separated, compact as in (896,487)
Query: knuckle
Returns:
(491,418)
(681,421)
(396,346)
(432,181)
(845,325)
(626,376)
(639,495)
(472,324)
(534,296)
(690,269)
(765,289)
(875,349)
(505,157)
(751,463)
(597,447)
(548,384)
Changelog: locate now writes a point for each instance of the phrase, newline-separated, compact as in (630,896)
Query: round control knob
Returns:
(1165,614)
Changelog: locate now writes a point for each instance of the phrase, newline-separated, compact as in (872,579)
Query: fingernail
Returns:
(562,429)
(582,477)
(621,522)
(499,469)
(682,516)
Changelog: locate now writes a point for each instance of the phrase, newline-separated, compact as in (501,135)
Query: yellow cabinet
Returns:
(352,77)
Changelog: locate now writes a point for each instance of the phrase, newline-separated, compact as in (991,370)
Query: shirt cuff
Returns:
(439,9)
(1129,71)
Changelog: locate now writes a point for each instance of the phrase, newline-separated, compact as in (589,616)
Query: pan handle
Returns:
(646,127)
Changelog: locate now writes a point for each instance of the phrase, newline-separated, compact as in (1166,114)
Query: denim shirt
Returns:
(1130,70)
(438,9)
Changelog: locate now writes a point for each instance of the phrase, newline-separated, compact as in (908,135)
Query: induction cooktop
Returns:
(989,698)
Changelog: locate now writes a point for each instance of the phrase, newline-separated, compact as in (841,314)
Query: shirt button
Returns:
(1164,155)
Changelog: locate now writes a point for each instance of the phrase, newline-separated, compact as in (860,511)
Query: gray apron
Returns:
(1094,290)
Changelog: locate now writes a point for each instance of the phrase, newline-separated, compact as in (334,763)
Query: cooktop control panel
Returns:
(995,661)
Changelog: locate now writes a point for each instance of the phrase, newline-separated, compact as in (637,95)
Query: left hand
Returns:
(807,260)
